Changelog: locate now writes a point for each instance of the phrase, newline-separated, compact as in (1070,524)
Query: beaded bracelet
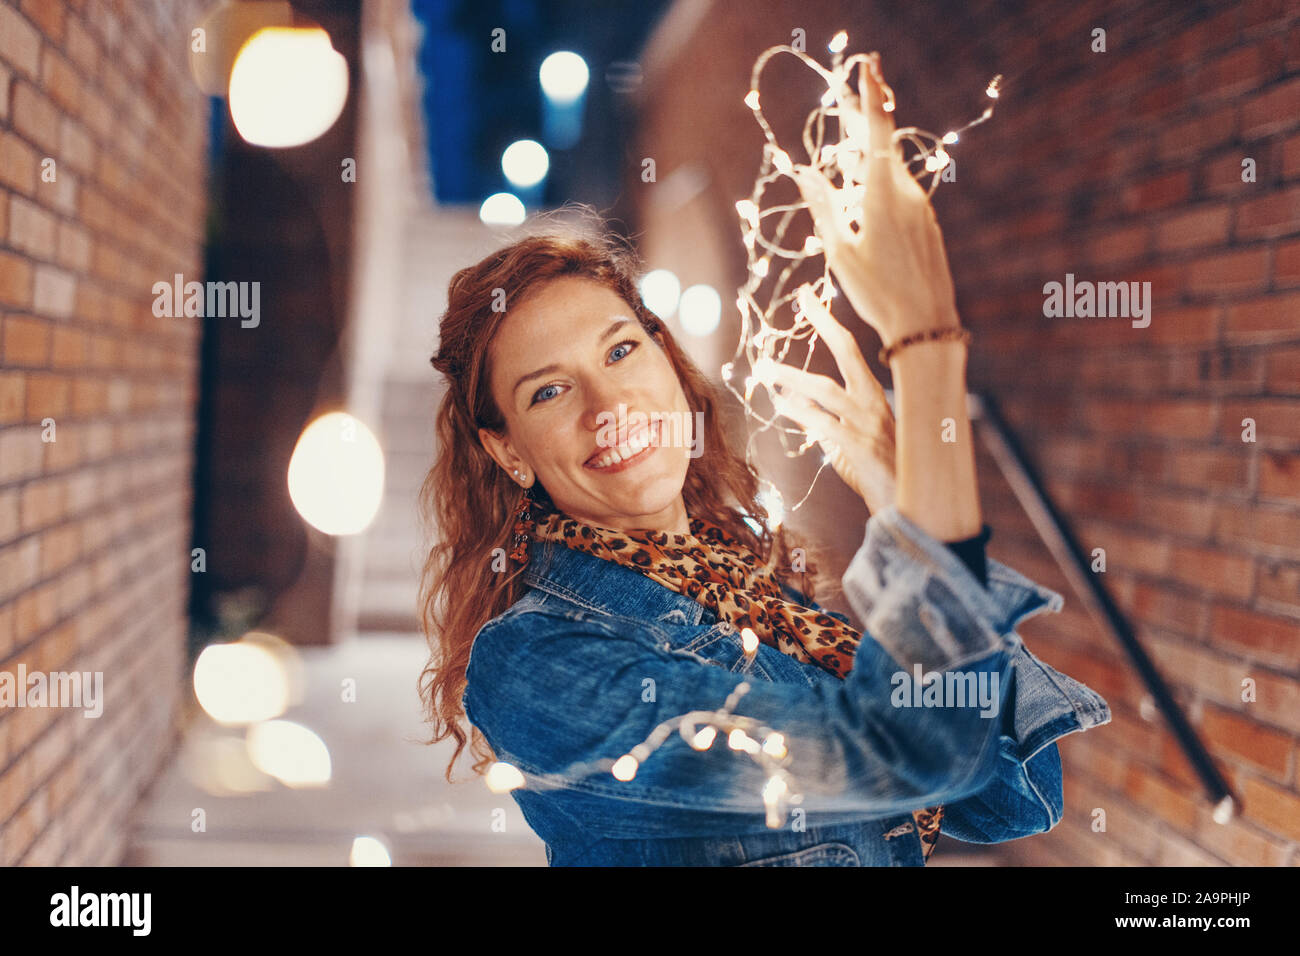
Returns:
(947,332)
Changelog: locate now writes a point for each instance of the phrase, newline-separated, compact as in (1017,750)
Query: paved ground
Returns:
(385,783)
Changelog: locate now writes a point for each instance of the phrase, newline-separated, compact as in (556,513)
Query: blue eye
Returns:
(632,345)
(537,395)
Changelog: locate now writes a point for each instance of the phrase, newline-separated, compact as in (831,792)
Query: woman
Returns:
(622,586)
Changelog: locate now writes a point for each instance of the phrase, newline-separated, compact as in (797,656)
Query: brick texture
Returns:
(1119,166)
(94,525)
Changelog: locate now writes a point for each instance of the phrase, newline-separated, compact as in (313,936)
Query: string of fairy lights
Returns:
(762,333)
(763,336)
(700,729)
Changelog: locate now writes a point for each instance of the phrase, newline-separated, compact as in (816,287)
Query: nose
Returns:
(602,399)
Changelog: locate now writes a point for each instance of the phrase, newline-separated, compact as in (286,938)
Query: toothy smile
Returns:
(639,444)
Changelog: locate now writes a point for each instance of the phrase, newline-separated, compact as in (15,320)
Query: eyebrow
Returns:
(548,369)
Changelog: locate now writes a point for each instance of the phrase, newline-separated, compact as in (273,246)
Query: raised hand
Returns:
(853,424)
(893,269)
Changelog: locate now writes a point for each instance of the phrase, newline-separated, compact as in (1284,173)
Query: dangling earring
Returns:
(523,527)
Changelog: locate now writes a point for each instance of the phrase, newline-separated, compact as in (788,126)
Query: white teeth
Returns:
(633,447)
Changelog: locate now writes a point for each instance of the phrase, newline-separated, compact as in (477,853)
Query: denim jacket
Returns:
(595,655)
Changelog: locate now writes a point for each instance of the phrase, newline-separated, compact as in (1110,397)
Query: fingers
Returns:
(848,357)
(880,159)
(820,426)
(876,94)
(821,389)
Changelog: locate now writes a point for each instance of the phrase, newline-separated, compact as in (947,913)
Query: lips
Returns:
(640,443)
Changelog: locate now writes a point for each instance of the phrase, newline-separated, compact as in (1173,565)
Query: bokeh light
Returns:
(240,683)
(660,291)
(525,163)
(290,752)
(564,76)
(336,474)
(502,209)
(369,851)
(700,310)
(287,87)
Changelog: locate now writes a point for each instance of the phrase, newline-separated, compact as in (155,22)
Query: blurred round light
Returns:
(287,87)
(700,310)
(219,765)
(336,474)
(368,851)
(240,683)
(502,209)
(525,162)
(564,76)
(290,752)
(660,291)
(503,777)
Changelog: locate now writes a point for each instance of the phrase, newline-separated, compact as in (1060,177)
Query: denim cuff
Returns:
(924,605)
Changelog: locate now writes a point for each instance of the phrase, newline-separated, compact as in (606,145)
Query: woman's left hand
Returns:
(854,424)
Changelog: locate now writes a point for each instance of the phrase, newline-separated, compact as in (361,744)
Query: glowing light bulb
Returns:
(781,160)
(761,266)
(739,740)
(625,768)
(748,210)
(812,245)
(503,777)
(950,138)
(751,99)
(749,640)
(774,746)
(704,739)
(937,160)
(838,42)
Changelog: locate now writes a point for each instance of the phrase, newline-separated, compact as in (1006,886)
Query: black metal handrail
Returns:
(1055,531)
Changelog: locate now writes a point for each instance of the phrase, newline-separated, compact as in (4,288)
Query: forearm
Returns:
(936,483)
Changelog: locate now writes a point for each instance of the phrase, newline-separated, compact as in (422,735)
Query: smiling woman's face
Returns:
(561,363)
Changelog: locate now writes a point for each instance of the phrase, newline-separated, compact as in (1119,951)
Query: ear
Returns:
(500,450)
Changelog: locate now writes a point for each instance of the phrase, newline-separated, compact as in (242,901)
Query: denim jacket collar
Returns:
(605,587)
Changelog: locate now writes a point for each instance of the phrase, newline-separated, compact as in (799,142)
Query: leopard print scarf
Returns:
(719,571)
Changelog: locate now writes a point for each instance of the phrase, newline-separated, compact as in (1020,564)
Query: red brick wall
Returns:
(1115,166)
(94,526)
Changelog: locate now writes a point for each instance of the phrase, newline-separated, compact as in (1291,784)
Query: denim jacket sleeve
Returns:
(561,698)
